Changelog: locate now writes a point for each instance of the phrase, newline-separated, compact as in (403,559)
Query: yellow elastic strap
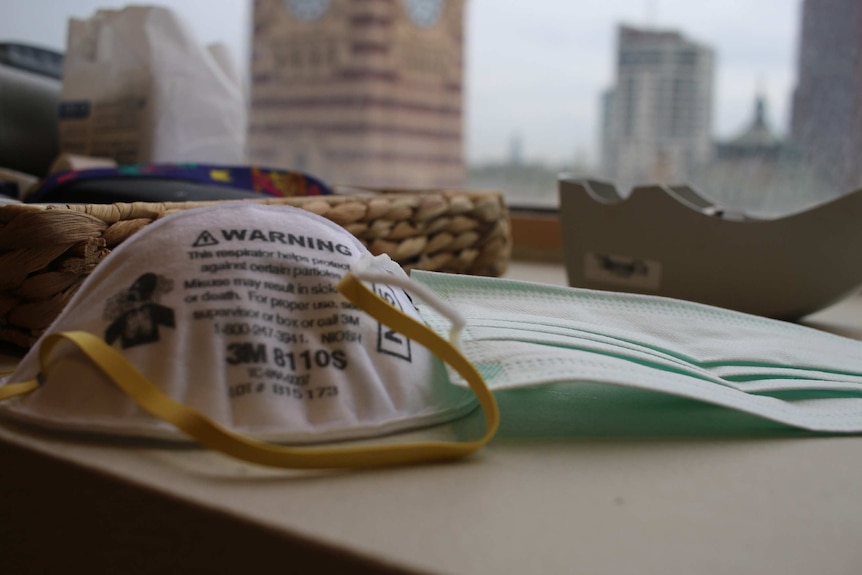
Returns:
(214,436)
(14,389)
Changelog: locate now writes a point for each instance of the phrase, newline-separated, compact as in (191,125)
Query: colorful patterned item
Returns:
(254,179)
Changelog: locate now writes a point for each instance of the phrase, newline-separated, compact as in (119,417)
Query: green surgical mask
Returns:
(531,337)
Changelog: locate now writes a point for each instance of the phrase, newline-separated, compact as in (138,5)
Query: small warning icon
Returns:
(205,239)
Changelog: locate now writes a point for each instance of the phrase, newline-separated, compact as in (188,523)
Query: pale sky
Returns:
(535,68)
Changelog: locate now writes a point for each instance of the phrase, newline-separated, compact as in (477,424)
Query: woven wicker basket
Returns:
(46,251)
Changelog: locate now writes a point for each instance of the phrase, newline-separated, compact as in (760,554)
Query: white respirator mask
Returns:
(239,325)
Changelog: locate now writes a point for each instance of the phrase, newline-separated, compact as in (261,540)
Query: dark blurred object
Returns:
(9,190)
(30,87)
(32,59)
(15,184)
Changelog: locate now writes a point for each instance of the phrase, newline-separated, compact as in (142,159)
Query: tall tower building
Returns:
(826,124)
(657,118)
(360,92)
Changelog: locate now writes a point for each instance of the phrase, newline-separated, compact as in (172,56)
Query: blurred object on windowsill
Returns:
(100,181)
(15,184)
(29,96)
(138,87)
(671,241)
(67,162)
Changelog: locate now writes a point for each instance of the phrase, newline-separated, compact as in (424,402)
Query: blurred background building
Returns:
(362,93)
(757,142)
(657,118)
(818,159)
(755,170)
(826,125)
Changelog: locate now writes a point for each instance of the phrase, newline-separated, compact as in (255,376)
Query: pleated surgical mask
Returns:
(522,335)
(240,324)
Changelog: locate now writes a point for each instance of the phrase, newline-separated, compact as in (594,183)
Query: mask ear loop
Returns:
(216,437)
(13,389)
(455,318)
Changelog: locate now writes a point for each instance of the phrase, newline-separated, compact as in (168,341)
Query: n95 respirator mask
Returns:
(226,324)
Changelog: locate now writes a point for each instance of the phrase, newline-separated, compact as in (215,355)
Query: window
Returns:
(604,92)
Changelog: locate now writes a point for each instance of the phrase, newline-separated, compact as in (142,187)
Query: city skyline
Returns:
(754,44)
(535,70)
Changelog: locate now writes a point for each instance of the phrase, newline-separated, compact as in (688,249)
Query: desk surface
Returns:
(522,505)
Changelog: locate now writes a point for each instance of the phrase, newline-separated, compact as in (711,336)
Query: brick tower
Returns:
(360,92)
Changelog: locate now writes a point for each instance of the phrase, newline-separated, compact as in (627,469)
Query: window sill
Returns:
(536,235)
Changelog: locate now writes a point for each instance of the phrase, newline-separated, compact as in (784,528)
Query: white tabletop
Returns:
(709,503)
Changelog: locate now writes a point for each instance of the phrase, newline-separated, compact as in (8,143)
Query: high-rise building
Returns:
(657,118)
(826,125)
(360,92)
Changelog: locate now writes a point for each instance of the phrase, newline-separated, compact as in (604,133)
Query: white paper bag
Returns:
(139,88)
